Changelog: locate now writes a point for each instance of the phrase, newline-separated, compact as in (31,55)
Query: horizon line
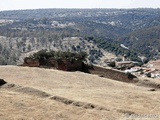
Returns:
(76,8)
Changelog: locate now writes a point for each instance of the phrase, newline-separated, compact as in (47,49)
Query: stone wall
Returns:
(65,65)
(31,62)
(113,74)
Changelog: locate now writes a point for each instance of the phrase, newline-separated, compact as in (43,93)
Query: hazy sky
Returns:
(34,4)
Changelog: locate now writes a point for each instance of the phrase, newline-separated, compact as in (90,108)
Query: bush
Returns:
(112,64)
(130,76)
(149,75)
(43,55)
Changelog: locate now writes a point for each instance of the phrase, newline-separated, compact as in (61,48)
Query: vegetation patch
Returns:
(68,61)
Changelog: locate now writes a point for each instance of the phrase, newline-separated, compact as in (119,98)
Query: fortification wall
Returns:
(113,74)
(65,65)
(30,62)
(78,65)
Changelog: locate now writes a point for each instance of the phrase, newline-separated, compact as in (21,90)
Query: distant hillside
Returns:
(146,41)
(102,33)
(14,50)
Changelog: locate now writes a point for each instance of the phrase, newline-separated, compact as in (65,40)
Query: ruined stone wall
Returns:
(112,74)
(65,65)
(31,62)
(73,66)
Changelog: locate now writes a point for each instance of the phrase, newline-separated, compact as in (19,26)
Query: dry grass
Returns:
(117,97)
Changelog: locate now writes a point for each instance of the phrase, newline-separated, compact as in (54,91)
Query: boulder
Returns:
(2,82)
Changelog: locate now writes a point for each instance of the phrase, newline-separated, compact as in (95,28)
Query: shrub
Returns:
(43,55)
(112,64)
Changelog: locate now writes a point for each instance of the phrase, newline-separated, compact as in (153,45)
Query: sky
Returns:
(37,4)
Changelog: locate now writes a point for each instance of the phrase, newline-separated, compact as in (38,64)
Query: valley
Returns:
(99,32)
